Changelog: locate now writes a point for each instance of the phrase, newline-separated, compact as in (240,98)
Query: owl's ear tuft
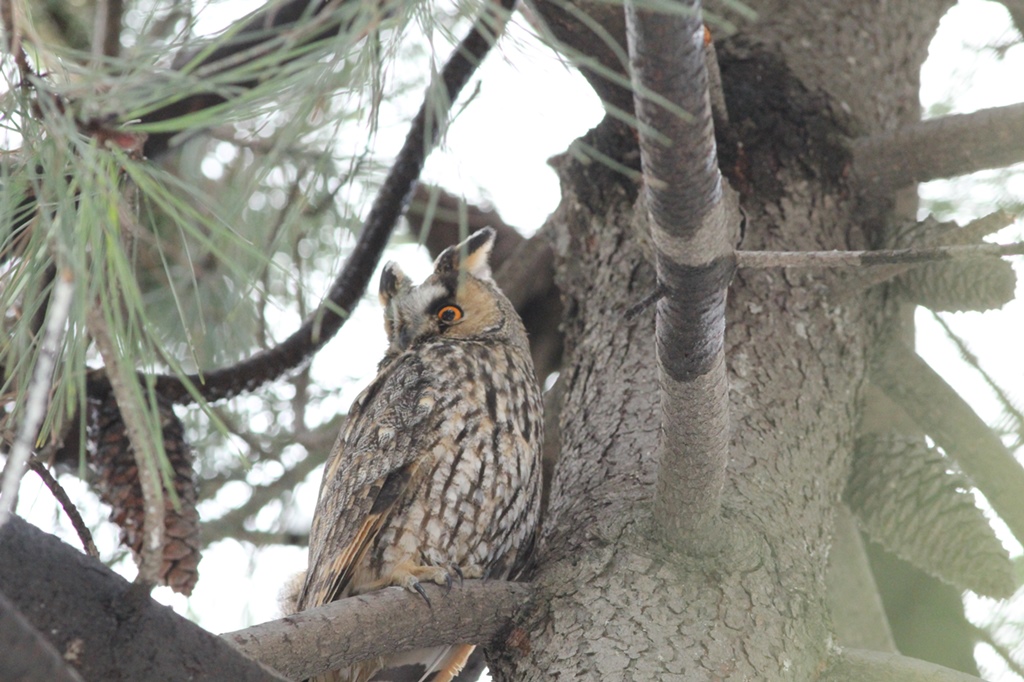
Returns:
(392,281)
(469,256)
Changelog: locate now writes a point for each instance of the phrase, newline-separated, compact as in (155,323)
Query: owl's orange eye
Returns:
(450,314)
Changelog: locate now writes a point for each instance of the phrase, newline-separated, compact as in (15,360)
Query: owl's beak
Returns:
(405,336)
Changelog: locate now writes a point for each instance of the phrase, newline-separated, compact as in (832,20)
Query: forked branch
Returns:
(149,641)
(693,230)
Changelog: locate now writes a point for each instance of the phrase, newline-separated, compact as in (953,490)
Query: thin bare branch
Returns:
(693,230)
(1010,408)
(25,655)
(940,148)
(979,228)
(886,257)
(970,234)
(144,449)
(354,629)
(37,395)
(57,490)
(260,538)
(947,418)
(860,665)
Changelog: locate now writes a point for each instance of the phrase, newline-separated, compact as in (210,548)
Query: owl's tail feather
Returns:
(438,664)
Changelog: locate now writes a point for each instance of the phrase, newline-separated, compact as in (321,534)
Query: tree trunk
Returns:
(799,84)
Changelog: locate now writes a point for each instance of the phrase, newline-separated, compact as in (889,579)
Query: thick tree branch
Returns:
(361,627)
(860,665)
(942,414)
(857,611)
(25,655)
(693,235)
(528,278)
(940,148)
(593,37)
(120,633)
(111,629)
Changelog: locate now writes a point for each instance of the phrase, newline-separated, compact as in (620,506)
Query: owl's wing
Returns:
(368,472)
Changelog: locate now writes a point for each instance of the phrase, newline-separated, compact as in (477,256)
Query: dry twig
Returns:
(57,490)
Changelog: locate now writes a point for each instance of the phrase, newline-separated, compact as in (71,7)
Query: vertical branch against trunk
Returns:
(692,231)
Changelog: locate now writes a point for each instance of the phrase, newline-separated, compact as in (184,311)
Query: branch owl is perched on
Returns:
(436,474)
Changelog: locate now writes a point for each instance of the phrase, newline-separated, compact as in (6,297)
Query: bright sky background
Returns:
(496,151)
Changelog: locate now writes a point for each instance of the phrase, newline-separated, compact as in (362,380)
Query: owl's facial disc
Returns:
(456,301)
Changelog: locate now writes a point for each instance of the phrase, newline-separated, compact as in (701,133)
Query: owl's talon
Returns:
(423,593)
(458,572)
(447,583)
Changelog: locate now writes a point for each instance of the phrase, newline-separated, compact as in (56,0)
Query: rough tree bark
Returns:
(800,84)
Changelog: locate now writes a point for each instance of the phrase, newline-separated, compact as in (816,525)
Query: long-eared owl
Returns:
(436,473)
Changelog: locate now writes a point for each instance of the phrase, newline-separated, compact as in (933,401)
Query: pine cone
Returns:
(910,499)
(117,481)
(984,284)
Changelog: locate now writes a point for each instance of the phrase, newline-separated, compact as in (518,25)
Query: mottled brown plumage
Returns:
(435,476)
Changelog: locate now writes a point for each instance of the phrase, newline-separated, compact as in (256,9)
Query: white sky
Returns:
(496,151)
